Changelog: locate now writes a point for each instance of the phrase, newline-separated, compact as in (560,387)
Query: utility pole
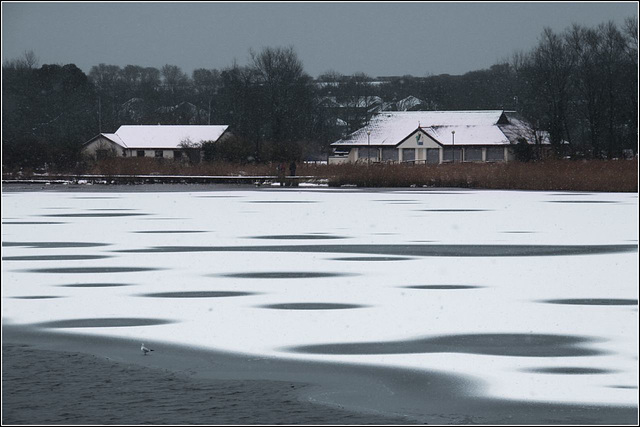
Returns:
(453,144)
(368,147)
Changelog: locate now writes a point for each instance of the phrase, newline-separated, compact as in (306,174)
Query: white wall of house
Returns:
(470,154)
(338,160)
(418,141)
(102,143)
(166,153)
(353,155)
(112,149)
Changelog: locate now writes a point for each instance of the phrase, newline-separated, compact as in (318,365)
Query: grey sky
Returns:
(380,39)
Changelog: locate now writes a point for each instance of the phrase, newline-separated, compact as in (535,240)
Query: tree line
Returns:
(580,85)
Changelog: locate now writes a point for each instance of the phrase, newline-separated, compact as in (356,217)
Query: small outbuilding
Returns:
(158,141)
(435,137)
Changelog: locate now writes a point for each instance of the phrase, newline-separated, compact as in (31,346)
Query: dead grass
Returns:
(593,175)
(152,166)
(549,175)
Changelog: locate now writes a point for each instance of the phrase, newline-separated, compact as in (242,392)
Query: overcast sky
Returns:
(380,39)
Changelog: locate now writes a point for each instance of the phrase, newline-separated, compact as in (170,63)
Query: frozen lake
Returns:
(532,294)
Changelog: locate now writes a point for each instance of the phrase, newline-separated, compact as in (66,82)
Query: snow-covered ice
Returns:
(152,278)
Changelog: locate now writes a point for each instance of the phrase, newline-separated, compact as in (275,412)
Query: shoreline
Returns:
(321,392)
(208,187)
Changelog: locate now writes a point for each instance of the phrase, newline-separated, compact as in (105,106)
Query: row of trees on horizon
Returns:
(580,85)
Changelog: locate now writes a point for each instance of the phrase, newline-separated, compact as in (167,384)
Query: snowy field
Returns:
(532,294)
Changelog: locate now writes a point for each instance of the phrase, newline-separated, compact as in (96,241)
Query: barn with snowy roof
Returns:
(159,141)
(435,137)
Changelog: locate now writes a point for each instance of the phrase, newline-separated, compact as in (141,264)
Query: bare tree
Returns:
(584,44)
(552,73)
(285,92)
(191,149)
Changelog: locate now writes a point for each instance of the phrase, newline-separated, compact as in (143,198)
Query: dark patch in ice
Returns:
(31,222)
(443,287)
(454,210)
(197,294)
(626,387)
(93,215)
(285,275)
(54,245)
(312,306)
(568,370)
(370,258)
(593,301)
(521,345)
(408,249)
(115,322)
(95,285)
(38,297)
(299,237)
(54,257)
(169,231)
(81,270)
(581,201)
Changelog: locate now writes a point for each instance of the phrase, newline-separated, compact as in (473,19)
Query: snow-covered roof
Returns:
(467,135)
(115,138)
(408,103)
(164,136)
(517,128)
(471,128)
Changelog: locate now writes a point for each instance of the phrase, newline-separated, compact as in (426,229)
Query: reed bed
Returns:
(548,175)
(551,175)
(152,166)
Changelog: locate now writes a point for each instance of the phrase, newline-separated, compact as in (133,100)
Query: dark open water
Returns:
(51,387)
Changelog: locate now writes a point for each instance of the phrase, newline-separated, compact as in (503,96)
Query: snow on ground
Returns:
(504,295)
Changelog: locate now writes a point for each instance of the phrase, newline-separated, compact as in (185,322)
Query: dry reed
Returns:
(549,175)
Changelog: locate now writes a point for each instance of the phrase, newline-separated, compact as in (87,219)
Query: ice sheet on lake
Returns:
(226,299)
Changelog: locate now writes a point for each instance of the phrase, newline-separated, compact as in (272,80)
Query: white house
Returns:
(435,137)
(159,141)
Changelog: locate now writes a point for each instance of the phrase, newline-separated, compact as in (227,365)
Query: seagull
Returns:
(144,349)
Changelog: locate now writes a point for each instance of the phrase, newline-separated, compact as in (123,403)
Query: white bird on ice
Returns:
(145,350)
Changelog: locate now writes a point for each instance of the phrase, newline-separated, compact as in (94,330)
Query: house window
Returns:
(140,153)
(389,154)
(177,154)
(433,155)
(452,154)
(101,154)
(370,152)
(473,154)
(495,154)
(159,154)
(408,154)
